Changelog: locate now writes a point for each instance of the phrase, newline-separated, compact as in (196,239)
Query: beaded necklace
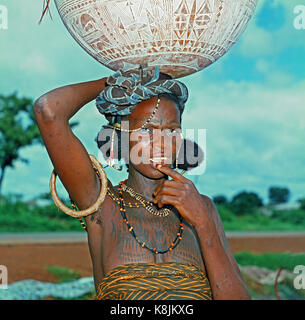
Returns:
(146,204)
(142,243)
(117,200)
(122,204)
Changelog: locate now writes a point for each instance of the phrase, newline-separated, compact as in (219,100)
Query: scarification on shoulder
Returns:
(100,215)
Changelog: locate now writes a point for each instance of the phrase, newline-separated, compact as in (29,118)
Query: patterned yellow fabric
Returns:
(155,281)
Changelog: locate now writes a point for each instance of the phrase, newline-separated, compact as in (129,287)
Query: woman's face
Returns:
(158,142)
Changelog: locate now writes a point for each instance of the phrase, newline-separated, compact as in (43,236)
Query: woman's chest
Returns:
(125,240)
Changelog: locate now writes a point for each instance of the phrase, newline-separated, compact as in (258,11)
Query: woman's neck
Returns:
(142,184)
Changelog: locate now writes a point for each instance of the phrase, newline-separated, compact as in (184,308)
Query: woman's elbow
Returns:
(43,110)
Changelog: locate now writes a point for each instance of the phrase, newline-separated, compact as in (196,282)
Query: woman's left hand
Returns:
(183,195)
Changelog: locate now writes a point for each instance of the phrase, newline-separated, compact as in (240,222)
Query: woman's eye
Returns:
(146,130)
(172,131)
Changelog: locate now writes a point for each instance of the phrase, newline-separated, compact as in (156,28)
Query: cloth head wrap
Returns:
(126,90)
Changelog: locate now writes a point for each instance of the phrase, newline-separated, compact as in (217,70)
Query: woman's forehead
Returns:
(168,111)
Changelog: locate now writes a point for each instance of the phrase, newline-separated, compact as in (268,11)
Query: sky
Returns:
(251,101)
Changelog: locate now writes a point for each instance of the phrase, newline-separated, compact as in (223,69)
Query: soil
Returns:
(30,261)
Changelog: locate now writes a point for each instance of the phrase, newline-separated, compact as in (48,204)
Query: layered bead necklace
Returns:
(143,203)
(130,228)
(146,204)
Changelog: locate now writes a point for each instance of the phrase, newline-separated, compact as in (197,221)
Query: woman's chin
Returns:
(155,173)
(150,172)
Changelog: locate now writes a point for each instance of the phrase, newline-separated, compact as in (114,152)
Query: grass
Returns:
(286,220)
(17,216)
(63,274)
(285,290)
(272,261)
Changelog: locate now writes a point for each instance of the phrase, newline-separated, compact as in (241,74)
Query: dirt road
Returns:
(29,256)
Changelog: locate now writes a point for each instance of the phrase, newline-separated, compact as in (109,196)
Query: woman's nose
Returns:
(162,144)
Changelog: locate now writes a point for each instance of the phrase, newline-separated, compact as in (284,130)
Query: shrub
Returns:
(17,216)
(225,213)
(294,216)
(302,203)
(220,199)
(245,203)
(278,195)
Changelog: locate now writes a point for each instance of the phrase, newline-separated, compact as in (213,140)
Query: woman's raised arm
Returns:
(71,161)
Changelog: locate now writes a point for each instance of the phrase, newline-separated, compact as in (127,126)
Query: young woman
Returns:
(155,236)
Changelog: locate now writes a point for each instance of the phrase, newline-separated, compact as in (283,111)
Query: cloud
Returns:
(255,135)
(260,40)
(273,75)
(36,63)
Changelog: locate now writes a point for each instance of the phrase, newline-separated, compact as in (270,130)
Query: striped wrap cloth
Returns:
(125,90)
(155,281)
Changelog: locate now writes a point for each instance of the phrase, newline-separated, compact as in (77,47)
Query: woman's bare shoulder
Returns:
(107,208)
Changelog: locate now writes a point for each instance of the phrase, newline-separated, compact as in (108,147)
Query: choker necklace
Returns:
(142,243)
(146,204)
(117,200)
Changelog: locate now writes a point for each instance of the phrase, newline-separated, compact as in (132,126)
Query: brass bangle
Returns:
(91,209)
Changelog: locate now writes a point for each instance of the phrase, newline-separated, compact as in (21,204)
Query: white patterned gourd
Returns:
(179,36)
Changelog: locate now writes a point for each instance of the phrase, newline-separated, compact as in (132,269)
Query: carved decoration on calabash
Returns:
(179,36)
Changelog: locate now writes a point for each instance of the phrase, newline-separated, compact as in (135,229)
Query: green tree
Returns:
(278,195)
(18,129)
(245,202)
(220,199)
(302,203)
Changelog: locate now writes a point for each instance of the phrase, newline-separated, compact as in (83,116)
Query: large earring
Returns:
(182,141)
(110,161)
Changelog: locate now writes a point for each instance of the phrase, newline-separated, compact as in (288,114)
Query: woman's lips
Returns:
(159,160)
